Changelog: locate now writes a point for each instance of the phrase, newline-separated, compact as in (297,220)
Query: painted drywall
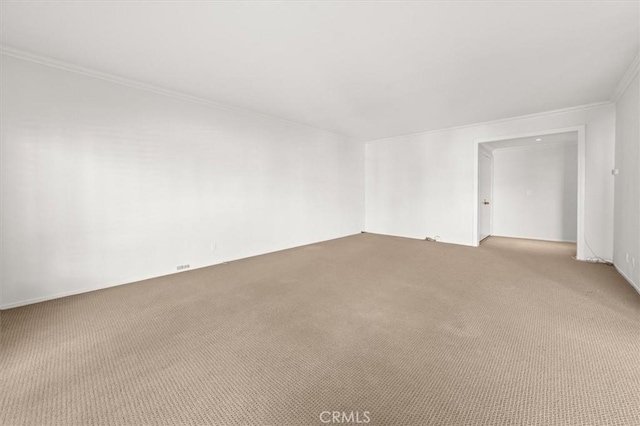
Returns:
(626,250)
(423,185)
(535,192)
(104,184)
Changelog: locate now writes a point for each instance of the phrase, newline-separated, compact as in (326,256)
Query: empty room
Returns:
(319,213)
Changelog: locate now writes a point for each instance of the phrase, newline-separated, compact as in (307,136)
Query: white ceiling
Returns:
(362,69)
(565,138)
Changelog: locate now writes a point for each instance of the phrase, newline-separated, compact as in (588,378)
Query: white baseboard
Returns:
(419,238)
(54,296)
(100,287)
(90,289)
(149,277)
(629,280)
(533,238)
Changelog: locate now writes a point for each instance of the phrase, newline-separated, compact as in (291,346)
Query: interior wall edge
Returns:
(626,80)
(636,286)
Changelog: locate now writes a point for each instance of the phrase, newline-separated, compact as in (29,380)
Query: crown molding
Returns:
(54,63)
(626,79)
(501,120)
(50,62)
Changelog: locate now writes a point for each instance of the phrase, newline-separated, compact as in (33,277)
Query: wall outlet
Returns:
(181,267)
(214,246)
(626,256)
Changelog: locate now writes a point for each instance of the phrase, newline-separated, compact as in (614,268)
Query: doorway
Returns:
(538,197)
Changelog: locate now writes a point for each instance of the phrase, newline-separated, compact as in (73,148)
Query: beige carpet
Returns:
(413,332)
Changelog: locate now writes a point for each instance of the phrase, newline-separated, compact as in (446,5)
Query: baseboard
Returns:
(96,288)
(411,237)
(144,278)
(553,240)
(58,296)
(635,286)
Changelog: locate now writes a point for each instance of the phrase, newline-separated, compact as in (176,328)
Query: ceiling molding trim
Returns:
(501,120)
(65,66)
(626,79)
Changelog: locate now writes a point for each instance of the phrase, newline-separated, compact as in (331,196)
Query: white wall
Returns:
(423,185)
(626,252)
(535,192)
(104,184)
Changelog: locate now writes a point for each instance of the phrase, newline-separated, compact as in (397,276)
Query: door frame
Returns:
(581,246)
(489,154)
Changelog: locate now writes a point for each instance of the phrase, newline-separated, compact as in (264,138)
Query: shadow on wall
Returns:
(570,192)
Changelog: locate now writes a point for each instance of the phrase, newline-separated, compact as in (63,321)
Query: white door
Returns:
(485,163)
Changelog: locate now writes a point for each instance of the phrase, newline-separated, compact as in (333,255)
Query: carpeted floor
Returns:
(411,332)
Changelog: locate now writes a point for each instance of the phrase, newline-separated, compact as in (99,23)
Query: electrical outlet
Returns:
(633,262)
(214,246)
(181,267)
(626,257)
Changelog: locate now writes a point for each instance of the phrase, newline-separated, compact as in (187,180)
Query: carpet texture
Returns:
(412,332)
